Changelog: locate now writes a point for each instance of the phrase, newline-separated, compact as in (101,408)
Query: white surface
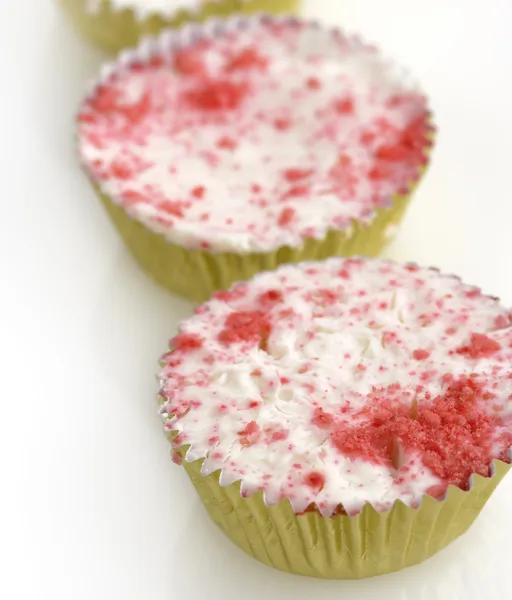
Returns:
(91,505)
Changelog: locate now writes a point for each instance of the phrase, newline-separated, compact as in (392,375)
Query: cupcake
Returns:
(116,24)
(234,146)
(343,418)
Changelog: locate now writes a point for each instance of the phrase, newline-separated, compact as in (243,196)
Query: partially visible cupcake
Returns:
(345,418)
(228,148)
(116,24)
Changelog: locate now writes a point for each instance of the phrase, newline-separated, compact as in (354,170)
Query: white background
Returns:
(91,506)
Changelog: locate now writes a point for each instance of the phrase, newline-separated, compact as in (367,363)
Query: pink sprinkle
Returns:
(315,480)
(198,191)
(287,215)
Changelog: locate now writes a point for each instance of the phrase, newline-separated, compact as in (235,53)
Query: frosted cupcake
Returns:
(234,146)
(117,24)
(344,418)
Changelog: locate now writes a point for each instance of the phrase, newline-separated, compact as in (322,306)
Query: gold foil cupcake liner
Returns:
(341,547)
(195,274)
(113,28)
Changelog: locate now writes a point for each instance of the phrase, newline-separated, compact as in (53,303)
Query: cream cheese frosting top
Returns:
(343,383)
(254,139)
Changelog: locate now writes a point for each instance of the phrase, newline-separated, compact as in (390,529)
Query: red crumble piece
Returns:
(282,124)
(270,297)
(315,480)
(106,99)
(378,172)
(296,191)
(227,143)
(286,216)
(198,192)
(345,106)
(393,153)
(217,95)
(420,354)
(480,346)
(250,435)
(474,293)
(278,435)
(248,58)
(414,134)
(245,326)
(294,175)
(313,83)
(121,170)
(172,208)
(322,419)
(187,342)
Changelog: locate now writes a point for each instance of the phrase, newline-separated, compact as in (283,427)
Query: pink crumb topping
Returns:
(454,433)
(420,354)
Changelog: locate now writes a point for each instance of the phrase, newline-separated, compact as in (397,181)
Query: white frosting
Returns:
(306,135)
(143,8)
(340,334)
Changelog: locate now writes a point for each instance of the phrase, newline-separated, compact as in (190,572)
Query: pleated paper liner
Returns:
(112,28)
(342,547)
(195,274)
